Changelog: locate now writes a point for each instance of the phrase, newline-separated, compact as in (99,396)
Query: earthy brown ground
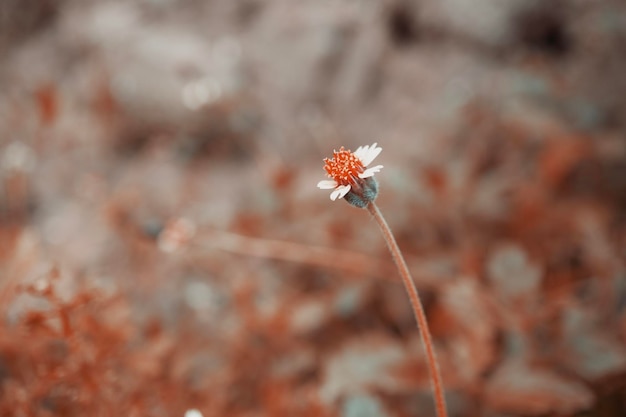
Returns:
(163,245)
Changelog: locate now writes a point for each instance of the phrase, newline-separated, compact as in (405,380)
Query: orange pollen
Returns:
(344,167)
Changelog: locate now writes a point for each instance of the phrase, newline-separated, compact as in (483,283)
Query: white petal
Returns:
(340,192)
(370,171)
(369,154)
(327,184)
(361,151)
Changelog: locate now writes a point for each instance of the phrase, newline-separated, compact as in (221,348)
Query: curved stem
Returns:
(418,310)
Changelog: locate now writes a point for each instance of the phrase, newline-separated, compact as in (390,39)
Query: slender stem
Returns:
(418,310)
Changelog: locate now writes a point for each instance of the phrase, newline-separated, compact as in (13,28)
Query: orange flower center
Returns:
(344,167)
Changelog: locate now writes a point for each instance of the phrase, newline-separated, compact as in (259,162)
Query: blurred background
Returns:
(163,245)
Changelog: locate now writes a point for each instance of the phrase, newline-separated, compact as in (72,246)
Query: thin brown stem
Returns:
(418,310)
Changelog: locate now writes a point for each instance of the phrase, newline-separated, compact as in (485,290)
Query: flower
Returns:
(348,173)
(176,234)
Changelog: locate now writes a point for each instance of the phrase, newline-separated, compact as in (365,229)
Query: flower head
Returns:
(350,176)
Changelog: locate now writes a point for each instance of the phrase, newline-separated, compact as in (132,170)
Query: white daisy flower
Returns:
(348,170)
